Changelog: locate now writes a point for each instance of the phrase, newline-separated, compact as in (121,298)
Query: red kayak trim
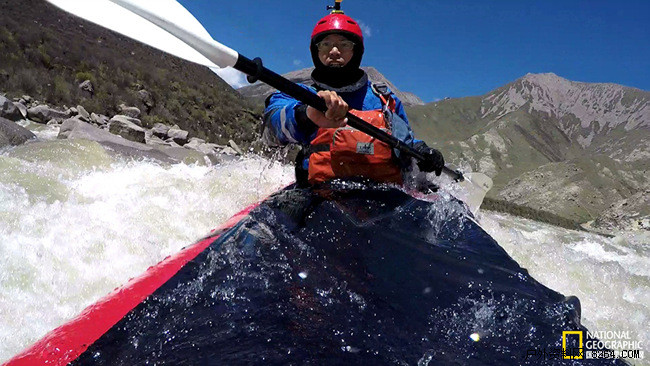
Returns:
(67,342)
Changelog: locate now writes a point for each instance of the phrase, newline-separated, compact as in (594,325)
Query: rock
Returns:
(235,147)
(155,140)
(9,110)
(132,112)
(99,119)
(209,148)
(160,130)
(228,151)
(87,88)
(147,99)
(13,134)
(64,129)
(193,144)
(196,139)
(27,99)
(179,136)
(170,142)
(185,155)
(74,128)
(43,114)
(83,113)
(122,126)
(127,118)
(22,108)
(55,121)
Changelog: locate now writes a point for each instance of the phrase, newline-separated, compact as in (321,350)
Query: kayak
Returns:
(347,273)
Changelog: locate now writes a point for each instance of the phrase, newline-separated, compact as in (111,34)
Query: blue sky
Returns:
(439,49)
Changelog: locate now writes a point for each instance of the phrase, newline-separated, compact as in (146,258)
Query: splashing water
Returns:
(76,222)
(610,276)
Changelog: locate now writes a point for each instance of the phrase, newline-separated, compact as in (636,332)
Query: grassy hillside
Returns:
(46,53)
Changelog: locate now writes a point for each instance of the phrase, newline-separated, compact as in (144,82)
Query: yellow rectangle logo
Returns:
(565,353)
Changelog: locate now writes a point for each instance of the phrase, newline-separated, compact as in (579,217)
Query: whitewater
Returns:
(77,221)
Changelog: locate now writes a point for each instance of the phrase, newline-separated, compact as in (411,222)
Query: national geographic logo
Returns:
(585,345)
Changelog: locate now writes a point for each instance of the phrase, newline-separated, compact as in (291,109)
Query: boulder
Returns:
(87,88)
(235,147)
(170,142)
(194,143)
(13,134)
(160,130)
(43,114)
(228,151)
(55,121)
(22,108)
(74,128)
(9,110)
(179,136)
(127,118)
(209,148)
(146,98)
(122,126)
(132,112)
(196,139)
(155,141)
(99,119)
(83,113)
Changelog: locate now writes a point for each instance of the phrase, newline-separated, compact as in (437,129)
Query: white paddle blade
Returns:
(120,17)
(475,187)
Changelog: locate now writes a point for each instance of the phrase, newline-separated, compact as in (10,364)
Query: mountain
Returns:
(573,148)
(259,91)
(46,53)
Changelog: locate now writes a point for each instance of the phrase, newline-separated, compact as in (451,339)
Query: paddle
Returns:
(171,28)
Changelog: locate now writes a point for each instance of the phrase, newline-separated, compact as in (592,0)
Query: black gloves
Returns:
(433,162)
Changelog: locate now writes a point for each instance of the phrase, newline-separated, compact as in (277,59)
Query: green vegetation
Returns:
(492,204)
(46,53)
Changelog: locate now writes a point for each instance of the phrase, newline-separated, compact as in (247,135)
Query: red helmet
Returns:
(337,23)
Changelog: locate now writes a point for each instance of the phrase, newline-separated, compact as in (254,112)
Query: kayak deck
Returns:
(344,274)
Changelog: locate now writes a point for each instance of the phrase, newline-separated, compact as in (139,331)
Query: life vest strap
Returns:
(385,95)
(311,149)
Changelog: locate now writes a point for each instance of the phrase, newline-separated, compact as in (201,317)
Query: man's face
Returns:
(335,50)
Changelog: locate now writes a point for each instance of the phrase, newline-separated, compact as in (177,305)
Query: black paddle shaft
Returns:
(257,71)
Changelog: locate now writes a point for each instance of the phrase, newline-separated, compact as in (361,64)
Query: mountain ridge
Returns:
(593,137)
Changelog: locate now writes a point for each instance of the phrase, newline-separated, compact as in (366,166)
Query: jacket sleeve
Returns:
(285,120)
(399,110)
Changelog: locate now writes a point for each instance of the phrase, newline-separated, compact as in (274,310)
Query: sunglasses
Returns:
(326,46)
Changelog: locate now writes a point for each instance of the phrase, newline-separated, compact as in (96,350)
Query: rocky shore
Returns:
(122,133)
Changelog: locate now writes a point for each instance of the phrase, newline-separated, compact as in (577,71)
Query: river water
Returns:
(77,221)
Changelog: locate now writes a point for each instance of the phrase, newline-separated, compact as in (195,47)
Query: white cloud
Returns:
(297,62)
(365,29)
(235,78)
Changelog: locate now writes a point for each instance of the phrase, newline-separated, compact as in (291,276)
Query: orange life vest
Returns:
(347,152)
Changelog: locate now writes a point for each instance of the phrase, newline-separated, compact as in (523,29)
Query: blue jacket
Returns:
(282,128)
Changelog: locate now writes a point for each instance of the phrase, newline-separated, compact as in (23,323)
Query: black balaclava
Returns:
(338,77)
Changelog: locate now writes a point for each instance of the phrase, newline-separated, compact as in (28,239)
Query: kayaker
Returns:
(330,149)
